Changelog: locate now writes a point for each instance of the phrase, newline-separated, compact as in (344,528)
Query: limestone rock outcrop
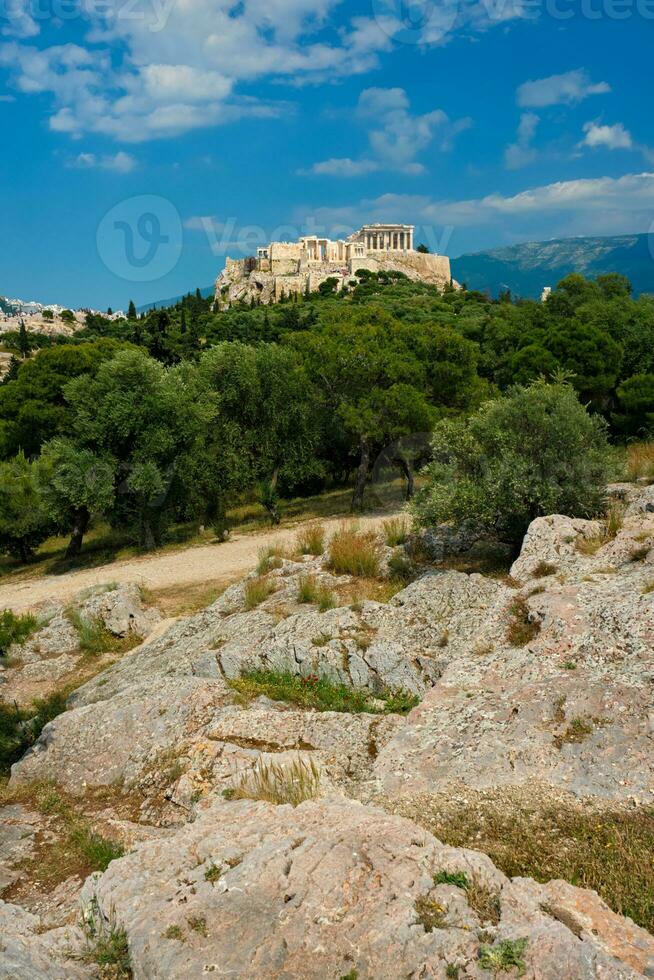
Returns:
(334,889)
(539,681)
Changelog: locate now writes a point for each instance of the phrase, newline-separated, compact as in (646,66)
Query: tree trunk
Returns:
(80,526)
(269,500)
(147,535)
(407,470)
(362,474)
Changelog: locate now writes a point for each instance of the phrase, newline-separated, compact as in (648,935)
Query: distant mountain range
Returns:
(205,293)
(527,269)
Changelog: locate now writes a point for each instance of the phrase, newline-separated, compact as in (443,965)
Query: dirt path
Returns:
(191,566)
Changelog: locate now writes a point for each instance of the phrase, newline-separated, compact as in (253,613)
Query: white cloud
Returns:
(568,88)
(18,20)
(395,136)
(521,153)
(159,68)
(342,167)
(598,206)
(120,162)
(612,137)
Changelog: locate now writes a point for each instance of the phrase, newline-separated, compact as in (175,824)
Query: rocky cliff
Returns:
(242,281)
(535,686)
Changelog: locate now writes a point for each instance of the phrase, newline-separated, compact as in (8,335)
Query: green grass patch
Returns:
(257,590)
(457,878)
(311,591)
(94,637)
(504,956)
(321,694)
(21,727)
(15,629)
(106,945)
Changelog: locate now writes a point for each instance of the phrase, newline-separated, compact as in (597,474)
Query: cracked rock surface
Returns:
(544,678)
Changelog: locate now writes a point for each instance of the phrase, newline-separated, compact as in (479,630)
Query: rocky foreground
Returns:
(538,683)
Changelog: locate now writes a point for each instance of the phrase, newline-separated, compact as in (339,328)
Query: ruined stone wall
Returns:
(285,258)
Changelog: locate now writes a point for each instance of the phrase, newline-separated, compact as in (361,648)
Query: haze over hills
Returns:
(526,269)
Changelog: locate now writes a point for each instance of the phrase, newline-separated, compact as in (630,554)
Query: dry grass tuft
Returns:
(280,784)
(395,531)
(269,558)
(257,590)
(353,552)
(607,849)
(543,569)
(522,629)
(311,539)
(612,525)
(311,591)
(640,461)
(484,901)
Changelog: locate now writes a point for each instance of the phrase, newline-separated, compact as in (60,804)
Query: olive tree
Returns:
(536,451)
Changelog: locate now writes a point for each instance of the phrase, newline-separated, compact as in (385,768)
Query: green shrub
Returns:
(15,628)
(535,452)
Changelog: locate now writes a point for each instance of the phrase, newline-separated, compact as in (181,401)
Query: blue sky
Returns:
(143,140)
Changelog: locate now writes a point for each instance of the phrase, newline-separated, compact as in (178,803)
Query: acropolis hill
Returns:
(283,268)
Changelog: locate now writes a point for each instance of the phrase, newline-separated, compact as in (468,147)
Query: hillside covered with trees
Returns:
(173,415)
